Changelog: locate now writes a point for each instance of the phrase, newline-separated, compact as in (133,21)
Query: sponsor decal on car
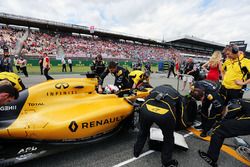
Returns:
(8,108)
(36,104)
(61,93)
(61,85)
(73,126)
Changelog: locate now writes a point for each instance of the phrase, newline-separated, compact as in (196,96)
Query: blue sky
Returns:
(218,20)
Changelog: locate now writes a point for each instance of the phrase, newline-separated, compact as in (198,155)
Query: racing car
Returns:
(61,112)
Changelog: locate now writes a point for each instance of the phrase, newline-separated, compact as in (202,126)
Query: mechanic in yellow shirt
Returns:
(138,78)
(234,71)
(14,79)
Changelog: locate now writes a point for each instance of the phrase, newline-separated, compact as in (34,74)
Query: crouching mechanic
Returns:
(212,103)
(170,111)
(14,79)
(235,123)
(139,79)
(7,92)
(121,76)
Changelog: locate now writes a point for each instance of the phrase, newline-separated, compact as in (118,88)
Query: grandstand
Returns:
(79,41)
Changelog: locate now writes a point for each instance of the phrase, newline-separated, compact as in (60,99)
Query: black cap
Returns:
(112,64)
(9,89)
(5,48)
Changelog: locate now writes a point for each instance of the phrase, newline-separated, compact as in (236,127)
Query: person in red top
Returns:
(46,66)
(215,67)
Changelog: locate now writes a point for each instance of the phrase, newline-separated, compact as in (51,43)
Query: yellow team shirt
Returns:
(232,71)
(136,76)
(13,78)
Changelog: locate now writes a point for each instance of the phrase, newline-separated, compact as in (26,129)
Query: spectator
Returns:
(171,68)
(41,64)
(46,66)
(23,66)
(189,70)
(215,67)
(64,65)
(70,64)
(6,60)
(16,60)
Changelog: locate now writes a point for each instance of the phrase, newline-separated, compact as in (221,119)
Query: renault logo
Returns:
(73,126)
(61,85)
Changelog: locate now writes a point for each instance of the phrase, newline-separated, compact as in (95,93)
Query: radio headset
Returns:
(235,50)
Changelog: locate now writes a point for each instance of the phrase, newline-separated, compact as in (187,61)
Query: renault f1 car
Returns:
(61,112)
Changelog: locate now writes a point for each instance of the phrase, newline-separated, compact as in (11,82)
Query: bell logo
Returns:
(73,126)
(61,85)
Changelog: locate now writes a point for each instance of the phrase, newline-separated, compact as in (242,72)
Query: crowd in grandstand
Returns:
(78,45)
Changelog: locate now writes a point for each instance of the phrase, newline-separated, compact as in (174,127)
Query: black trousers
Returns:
(227,129)
(231,94)
(46,74)
(24,70)
(209,118)
(171,69)
(64,68)
(166,123)
(41,69)
(18,69)
(70,67)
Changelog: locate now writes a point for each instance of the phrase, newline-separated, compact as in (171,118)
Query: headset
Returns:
(235,49)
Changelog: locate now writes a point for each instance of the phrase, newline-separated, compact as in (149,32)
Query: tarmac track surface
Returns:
(118,149)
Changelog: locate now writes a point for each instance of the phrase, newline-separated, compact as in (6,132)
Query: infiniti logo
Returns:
(61,85)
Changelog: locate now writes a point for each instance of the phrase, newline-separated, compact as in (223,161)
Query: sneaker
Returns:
(171,163)
(206,157)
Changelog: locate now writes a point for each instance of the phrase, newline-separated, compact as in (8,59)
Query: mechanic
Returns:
(212,103)
(139,79)
(235,68)
(7,92)
(14,79)
(236,122)
(98,65)
(121,76)
(170,111)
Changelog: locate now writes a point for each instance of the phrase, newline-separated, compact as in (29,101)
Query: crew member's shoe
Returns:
(198,126)
(203,134)
(136,154)
(171,163)
(207,158)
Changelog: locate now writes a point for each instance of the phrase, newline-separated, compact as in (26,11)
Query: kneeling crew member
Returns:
(235,123)
(208,92)
(14,79)
(170,111)
(139,79)
(121,76)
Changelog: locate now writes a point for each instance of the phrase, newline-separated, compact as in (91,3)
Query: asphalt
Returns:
(119,148)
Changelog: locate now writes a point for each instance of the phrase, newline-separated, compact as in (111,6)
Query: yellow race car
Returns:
(64,111)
